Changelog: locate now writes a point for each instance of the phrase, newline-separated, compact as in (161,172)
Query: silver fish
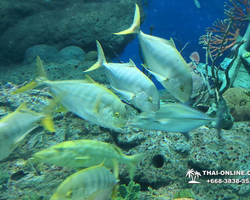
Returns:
(17,125)
(172,118)
(129,81)
(93,183)
(164,61)
(85,98)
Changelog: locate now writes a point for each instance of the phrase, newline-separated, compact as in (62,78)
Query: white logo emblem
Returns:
(193,175)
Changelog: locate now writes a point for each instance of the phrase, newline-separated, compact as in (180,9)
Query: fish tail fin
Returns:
(135,27)
(47,120)
(101,58)
(131,165)
(39,79)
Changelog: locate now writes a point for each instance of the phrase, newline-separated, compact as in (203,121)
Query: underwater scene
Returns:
(125,100)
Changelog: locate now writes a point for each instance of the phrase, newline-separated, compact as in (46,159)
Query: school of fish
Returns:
(99,105)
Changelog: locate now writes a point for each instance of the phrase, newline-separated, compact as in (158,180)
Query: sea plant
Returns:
(132,191)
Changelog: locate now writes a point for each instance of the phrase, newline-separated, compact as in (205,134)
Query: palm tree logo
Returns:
(193,175)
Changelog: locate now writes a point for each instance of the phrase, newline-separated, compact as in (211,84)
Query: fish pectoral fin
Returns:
(128,95)
(158,77)
(18,140)
(61,109)
(82,158)
(97,105)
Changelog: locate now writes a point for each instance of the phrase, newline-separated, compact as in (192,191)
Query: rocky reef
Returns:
(161,173)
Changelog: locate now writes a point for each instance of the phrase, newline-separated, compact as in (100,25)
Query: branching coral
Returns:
(226,36)
(240,9)
(220,29)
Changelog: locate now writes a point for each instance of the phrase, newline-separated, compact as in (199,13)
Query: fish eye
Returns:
(69,194)
(182,88)
(116,114)
(167,79)
(150,100)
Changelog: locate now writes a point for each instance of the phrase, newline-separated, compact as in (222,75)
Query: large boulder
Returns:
(71,23)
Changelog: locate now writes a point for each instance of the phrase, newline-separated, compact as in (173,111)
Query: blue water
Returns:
(177,19)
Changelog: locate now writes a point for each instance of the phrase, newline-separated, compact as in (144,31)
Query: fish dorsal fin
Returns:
(22,107)
(131,63)
(40,72)
(171,42)
(102,164)
(88,79)
(19,139)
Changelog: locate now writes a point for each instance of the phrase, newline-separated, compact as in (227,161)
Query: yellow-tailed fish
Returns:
(172,118)
(15,126)
(86,153)
(163,60)
(93,183)
(85,98)
(129,81)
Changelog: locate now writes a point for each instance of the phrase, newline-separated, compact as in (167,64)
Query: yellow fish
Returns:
(86,153)
(129,81)
(93,183)
(85,98)
(164,61)
(17,125)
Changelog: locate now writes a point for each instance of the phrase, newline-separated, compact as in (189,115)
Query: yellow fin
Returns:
(97,105)
(101,58)
(88,79)
(135,27)
(29,86)
(48,124)
(23,107)
(61,109)
(171,42)
(131,165)
(40,78)
(47,121)
(40,72)
(131,62)
(17,142)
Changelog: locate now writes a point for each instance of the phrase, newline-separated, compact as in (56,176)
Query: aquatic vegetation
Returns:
(132,191)
(183,194)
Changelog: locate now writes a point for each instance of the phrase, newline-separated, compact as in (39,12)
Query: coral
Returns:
(238,103)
